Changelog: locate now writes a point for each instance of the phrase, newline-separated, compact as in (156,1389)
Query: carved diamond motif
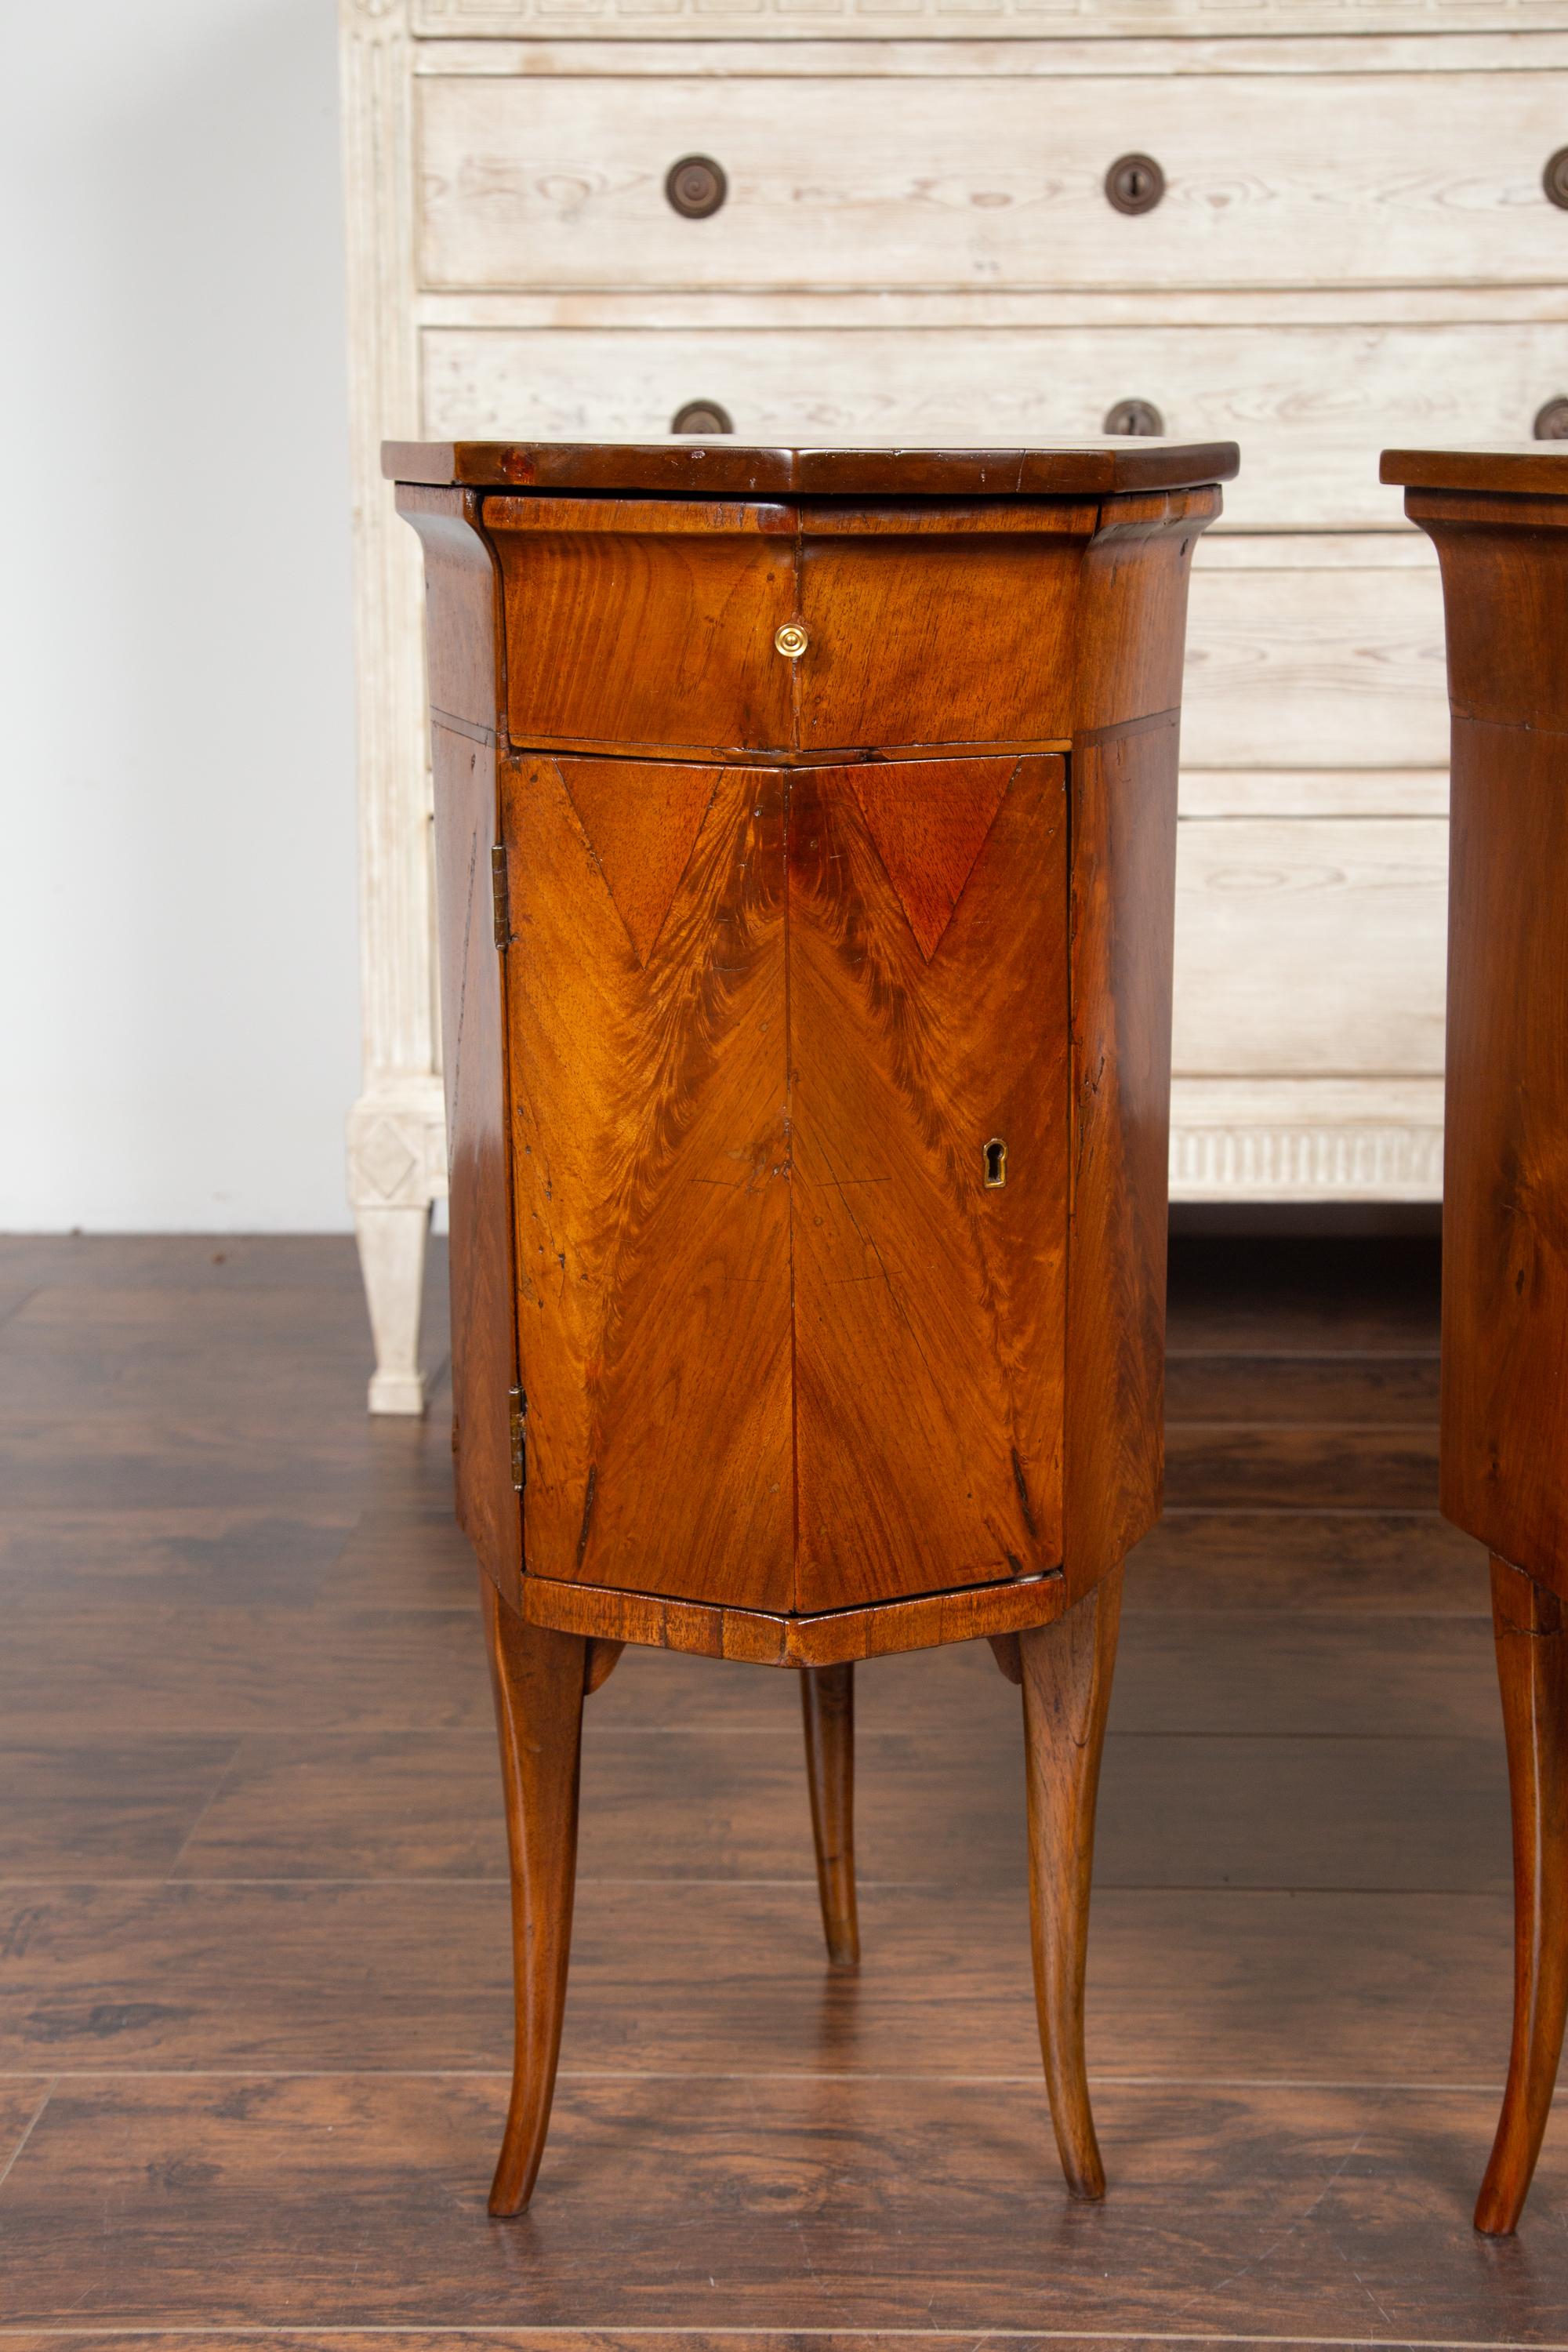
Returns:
(385,1158)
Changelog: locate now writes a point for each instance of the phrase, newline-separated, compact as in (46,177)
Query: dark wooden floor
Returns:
(253,2004)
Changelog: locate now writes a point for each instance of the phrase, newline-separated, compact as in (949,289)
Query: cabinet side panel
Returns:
(646,991)
(1123,920)
(1134,615)
(1505,1214)
(1504,562)
(928,1019)
(460,606)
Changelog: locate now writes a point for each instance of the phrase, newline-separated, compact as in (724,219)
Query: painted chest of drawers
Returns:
(1311,229)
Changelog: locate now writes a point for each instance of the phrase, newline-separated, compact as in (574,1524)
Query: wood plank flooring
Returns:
(253,1959)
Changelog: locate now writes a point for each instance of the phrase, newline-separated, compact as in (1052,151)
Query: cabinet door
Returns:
(646,1030)
(928,1017)
(790,1134)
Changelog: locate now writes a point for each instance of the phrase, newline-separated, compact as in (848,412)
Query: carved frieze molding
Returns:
(910,19)
(1272,1161)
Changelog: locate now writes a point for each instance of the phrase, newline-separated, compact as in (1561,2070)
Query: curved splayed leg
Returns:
(1532,1670)
(537,1677)
(1067,1669)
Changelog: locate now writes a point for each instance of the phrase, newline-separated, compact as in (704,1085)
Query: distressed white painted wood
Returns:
(692,308)
(1311,665)
(396,1155)
(1355,249)
(1312,405)
(1321,178)
(1331,791)
(1310,947)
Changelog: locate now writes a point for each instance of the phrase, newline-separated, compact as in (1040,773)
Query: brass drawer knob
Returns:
(1134,184)
(703,416)
(1135,416)
(1552,422)
(1554,179)
(696,186)
(791,640)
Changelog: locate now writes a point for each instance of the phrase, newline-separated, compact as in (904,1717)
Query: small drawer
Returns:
(936,626)
(687,626)
(650,622)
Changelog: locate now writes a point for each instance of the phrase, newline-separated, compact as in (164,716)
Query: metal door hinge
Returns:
(519,1403)
(499,895)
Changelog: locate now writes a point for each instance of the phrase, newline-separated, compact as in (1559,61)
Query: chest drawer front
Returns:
(1293,664)
(1311,405)
(1271,180)
(1339,926)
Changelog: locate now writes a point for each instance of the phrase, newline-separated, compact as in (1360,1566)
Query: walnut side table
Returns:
(806,829)
(1500,522)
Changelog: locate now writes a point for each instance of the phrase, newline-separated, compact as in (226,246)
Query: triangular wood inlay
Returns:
(928,819)
(642,821)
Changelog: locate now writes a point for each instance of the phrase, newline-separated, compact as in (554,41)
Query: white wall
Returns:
(178,953)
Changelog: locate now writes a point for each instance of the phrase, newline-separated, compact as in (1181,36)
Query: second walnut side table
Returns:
(805,837)
(1500,522)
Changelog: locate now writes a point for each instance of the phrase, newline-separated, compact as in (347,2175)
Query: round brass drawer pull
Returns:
(1552,422)
(791,640)
(1554,179)
(1139,417)
(703,416)
(1134,184)
(696,186)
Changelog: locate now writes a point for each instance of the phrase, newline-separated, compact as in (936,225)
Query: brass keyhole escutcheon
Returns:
(696,186)
(995,1163)
(1135,416)
(702,416)
(1134,184)
(791,640)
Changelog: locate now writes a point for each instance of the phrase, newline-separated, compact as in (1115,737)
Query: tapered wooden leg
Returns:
(1068,1668)
(827,1699)
(537,1678)
(1532,1668)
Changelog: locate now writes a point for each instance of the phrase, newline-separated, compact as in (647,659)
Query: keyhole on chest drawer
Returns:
(995,1163)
